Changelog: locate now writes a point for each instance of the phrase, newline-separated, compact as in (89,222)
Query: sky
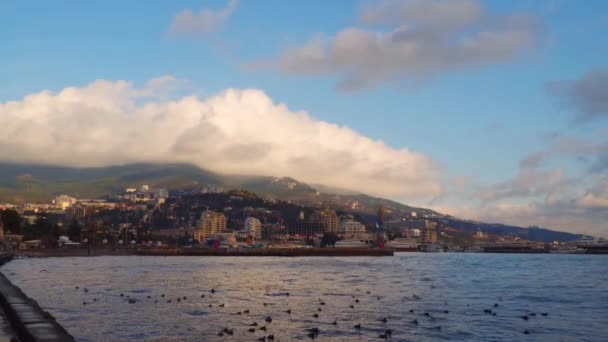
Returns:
(486,110)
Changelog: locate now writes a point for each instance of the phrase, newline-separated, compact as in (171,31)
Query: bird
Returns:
(288,312)
(415,322)
(212,290)
(526,332)
(545,314)
(184,298)
(488,311)
(446,311)
(122,294)
(315,315)
(268,319)
(251,330)
(352,306)
(162,295)
(202,296)
(131,301)
(313,333)
(263,328)
(411,310)
(246,311)
(495,305)
(270,337)
(220,334)
(358,326)
(384,320)
(525,318)
(319,309)
(532,314)
(254,324)
(356,301)
(335,322)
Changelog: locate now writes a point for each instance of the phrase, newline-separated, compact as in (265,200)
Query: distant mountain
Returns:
(30,182)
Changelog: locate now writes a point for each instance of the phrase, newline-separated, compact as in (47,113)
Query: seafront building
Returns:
(211,223)
(330,220)
(430,231)
(351,228)
(254,227)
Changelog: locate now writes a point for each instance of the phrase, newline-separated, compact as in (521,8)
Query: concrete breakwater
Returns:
(284,252)
(29,321)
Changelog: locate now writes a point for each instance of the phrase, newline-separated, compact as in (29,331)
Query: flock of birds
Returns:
(266,327)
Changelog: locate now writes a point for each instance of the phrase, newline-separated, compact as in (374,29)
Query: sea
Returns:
(408,297)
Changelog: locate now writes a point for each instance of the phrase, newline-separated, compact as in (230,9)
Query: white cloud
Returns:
(239,131)
(205,21)
(423,38)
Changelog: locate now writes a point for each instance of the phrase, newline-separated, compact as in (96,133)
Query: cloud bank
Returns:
(238,131)
(205,21)
(401,41)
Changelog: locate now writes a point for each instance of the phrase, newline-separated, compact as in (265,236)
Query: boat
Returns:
(454,249)
(434,248)
(473,249)
(403,245)
(567,250)
(353,244)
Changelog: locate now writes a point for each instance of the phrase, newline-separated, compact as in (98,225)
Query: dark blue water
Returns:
(447,292)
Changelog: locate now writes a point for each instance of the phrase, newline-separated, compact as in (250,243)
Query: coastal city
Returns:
(210,218)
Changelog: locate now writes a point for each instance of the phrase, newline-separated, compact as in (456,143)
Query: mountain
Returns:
(31,182)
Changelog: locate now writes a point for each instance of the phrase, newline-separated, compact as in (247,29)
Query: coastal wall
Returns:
(30,322)
(281,252)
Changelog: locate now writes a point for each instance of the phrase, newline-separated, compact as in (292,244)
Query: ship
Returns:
(353,244)
(403,245)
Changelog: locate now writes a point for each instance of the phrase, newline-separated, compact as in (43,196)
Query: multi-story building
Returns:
(330,220)
(351,227)
(211,223)
(430,231)
(254,227)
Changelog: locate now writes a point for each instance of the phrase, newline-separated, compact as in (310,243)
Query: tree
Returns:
(74,231)
(11,221)
(329,239)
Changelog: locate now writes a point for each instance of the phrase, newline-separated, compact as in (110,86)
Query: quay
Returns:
(282,252)
(27,320)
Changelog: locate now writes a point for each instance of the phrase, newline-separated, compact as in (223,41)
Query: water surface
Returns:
(448,294)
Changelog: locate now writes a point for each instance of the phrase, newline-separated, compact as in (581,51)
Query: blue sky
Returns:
(475,121)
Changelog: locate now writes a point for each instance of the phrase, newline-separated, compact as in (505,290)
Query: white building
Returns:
(254,227)
(351,227)
(64,201)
